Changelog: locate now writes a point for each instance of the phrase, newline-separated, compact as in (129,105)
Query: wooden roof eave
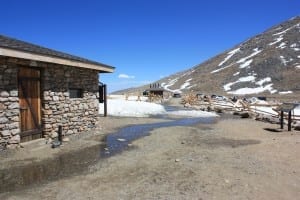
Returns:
(102,68)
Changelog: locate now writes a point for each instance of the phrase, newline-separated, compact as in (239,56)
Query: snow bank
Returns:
(192,113)
(123,108)
(119,107)
(264,110)
(130,97)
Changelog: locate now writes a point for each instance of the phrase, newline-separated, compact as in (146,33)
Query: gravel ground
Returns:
(232,159)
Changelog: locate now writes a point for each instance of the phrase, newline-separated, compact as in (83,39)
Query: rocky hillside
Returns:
(268,64)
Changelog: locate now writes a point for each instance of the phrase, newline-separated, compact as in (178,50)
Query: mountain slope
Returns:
(268,63)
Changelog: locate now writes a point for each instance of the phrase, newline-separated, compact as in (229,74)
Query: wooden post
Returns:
(290,121)
(281,119)
(105,100)
(60,133)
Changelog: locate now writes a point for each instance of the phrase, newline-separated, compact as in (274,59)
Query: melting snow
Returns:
(282,45)
(246,79)
(173,81)
(286,30)
(296,49)
(230,54)
(276,40)
(262,81)
(185,85)
(227,87)
(293,45)
(246,64)
(244,91)
(285,92)
(243,60)
(217,70)
(123,108)
(283,60)
(192,113)
(237,73)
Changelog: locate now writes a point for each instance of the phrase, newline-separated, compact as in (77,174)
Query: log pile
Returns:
(260,110)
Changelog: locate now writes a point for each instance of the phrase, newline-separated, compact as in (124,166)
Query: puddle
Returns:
(77,162)
(119,141)
(60,166)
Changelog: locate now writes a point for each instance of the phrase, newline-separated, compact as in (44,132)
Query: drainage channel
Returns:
(76,162)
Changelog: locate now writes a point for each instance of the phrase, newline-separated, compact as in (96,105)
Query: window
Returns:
(75,93)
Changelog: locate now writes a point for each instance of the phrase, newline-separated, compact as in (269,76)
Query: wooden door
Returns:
(30,103)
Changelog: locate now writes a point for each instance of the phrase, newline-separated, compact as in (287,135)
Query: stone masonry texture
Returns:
(75,115)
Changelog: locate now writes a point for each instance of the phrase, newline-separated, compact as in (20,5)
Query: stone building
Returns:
(41,89)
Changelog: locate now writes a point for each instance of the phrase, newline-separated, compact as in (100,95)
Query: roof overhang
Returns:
(102,68)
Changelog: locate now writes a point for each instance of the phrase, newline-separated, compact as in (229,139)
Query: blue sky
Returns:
(144,39)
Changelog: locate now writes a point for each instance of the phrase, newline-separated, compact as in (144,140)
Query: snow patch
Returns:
(281,46)
(244,91)
(262,81)
(171,82)
(246,64)
(230,54)
(293,45)
(237,73)
(286,30)
(227,86)
(246,79)
(277,40)
(185,85)
(285,92)
(243,60)
(296,49)
(283,60)
(220,69)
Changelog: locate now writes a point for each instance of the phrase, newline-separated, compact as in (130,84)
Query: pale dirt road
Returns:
(233,159)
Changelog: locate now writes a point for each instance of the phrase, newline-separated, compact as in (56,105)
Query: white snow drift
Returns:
(123,108)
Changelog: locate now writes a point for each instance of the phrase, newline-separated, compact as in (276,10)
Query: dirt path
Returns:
(233,159)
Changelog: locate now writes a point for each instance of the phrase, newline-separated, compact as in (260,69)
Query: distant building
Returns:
(156,89)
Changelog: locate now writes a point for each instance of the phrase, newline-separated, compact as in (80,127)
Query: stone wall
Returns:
(9,105)
(74,114)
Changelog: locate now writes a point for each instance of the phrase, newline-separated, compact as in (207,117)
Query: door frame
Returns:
(36,133)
